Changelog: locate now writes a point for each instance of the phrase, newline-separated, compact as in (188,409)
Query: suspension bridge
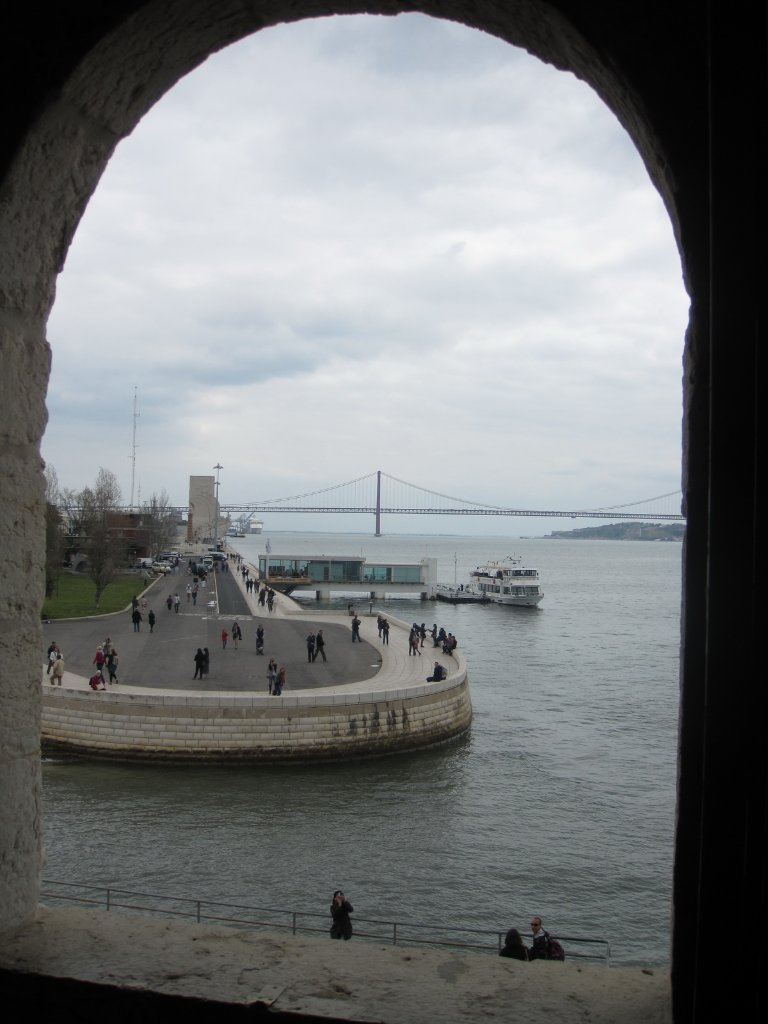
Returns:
(379,494)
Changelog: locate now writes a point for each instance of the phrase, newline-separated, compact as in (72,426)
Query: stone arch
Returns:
(687,81)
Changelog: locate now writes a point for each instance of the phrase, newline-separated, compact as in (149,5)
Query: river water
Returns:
(560,801)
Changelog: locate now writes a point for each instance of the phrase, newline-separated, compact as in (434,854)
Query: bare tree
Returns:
(95,524)
(158,523)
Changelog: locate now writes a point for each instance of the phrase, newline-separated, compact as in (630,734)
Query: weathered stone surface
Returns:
(352,981)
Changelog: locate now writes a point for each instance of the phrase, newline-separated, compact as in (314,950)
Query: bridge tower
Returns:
(377,532)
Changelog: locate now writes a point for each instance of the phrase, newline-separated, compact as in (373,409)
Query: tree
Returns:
(96,508)
(159,527)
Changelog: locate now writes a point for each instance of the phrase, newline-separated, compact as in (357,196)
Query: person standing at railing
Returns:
(341,908)
(544,946)
(513,946)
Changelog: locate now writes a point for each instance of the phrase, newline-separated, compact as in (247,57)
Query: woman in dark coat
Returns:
(199,660)
(513,946)
(341,908)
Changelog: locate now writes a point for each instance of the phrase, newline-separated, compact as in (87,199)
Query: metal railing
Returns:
(399,933)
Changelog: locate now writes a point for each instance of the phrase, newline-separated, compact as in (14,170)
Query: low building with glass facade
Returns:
(354,575)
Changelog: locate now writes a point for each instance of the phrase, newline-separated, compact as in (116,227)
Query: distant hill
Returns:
(623,531)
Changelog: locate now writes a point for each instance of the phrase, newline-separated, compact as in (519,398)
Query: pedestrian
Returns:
(176,603)
(112,665)
(136,616)
(513,946)
(199,660)
(224,638)
(385,632)
(544,946)
(169,602)
(259,639)
(53,655)
(57,672)
(422,633)
(236,634)
(413,642)
(341,908)
(189,592)
(271,674)
(206,662)
(319,645)
(279,683)
(151,620)
(98,661)
(311,646)
(380,624)
(356,630)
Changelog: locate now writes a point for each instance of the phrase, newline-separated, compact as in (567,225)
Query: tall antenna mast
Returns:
(133,456)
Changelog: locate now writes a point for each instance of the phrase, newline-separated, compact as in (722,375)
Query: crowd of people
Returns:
(106,660)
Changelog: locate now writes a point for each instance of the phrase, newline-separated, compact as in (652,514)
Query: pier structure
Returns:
(351,574)
(368,699)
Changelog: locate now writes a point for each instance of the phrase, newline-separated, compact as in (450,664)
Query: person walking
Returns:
(279,683)
(98,661)
(224,638)
(356,630)
(151,620)
(206,663)
(319,645)
(57,672)
(271,674)
(136,617)
(53,655)
(385,632)
(341,908)
(176,603)
(112,665)
(311,640)
(199,661)
(236,634)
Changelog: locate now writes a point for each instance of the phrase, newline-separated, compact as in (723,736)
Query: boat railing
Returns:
(55,892)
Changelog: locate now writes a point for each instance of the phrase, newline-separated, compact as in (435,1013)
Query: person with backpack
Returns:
(544,946)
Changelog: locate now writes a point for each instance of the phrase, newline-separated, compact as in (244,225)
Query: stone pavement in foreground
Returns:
(162,662)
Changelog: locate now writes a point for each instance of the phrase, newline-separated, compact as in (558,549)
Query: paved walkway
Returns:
(162,661)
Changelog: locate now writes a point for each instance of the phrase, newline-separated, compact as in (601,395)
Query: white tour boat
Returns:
(507,581)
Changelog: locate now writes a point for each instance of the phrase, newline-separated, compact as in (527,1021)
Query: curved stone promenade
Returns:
(368,699)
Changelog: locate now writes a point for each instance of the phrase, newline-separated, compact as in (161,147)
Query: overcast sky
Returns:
(374,243)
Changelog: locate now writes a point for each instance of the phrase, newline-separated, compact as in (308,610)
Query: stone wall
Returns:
(255,728)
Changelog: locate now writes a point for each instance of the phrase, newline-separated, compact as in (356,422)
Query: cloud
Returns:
(360,243)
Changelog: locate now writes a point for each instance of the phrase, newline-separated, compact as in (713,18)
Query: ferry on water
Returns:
(505,581)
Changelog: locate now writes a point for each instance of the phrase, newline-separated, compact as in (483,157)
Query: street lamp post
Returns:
(217,467)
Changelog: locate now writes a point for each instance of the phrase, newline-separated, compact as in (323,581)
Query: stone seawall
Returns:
(306,726)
